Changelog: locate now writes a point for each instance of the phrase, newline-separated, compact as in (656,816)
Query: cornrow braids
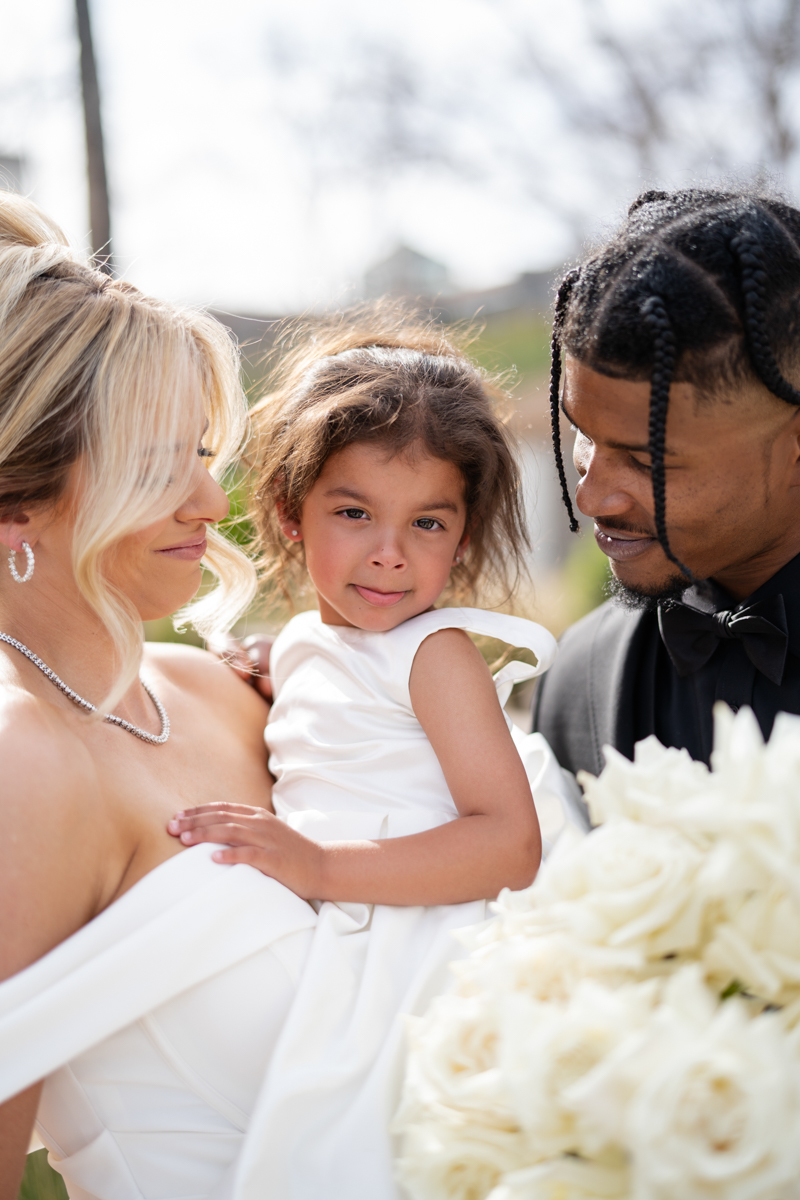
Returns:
(754,286)
(562,300)
(699,286)
(655,316)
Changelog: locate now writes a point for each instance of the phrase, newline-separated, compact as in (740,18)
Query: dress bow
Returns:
(691,636)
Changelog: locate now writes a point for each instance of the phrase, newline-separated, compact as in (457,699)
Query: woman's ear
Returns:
(290,527)
(16,530)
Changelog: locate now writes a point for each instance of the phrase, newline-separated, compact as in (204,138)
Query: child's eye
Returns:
(428,523)
(204,452)
(353,514)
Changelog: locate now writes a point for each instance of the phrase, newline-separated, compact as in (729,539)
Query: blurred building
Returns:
(532,291)
(406,272)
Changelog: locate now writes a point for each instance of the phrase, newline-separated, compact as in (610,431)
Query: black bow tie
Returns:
(691,636)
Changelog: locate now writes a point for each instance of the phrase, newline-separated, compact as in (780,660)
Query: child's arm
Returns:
(494,844)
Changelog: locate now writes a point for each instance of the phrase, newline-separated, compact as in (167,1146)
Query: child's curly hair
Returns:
(379,373)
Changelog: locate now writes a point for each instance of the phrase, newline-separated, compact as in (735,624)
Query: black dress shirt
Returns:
(679,710)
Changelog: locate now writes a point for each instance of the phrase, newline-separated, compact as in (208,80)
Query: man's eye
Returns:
(354,514)
(427,523)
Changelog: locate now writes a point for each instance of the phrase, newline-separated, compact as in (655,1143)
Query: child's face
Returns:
(381,534)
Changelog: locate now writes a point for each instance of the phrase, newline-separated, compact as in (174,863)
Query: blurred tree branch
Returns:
(99,208)
(663,94)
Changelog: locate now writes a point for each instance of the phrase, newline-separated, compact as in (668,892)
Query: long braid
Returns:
(655,316)
(750,257)
(562,300)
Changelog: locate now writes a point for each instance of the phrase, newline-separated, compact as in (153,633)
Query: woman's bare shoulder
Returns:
(38,749)
(207,678)
(50,856)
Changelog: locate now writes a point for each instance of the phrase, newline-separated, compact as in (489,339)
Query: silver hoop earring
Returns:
(12,564)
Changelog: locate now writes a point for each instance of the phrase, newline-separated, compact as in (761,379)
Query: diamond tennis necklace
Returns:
(156,739)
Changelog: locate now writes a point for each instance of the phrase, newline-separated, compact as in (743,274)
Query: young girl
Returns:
(402,799)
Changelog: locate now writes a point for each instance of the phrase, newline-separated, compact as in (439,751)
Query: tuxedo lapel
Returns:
(612,673)
(586,699)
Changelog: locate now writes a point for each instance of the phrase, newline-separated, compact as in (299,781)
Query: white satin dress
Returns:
(210,1036)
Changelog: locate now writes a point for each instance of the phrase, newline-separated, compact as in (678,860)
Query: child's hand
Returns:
(255,837)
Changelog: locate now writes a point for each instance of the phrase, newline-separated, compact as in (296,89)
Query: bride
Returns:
(112,408)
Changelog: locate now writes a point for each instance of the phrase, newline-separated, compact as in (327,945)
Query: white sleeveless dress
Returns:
(209,1036)
(352,761)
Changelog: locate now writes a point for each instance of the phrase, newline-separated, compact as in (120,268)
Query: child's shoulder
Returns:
(514,631)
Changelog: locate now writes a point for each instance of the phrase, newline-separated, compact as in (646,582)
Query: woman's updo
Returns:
(94,373)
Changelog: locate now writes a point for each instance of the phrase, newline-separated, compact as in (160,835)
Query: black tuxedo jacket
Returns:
(586,699)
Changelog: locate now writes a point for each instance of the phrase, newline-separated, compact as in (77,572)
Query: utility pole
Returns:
(99,210)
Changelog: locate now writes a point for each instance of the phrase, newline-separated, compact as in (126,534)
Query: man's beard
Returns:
(638,600)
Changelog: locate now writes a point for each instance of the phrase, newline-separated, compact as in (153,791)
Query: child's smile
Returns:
(381,533)
(382,599)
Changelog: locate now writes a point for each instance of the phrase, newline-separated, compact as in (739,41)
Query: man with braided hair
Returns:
(681,339)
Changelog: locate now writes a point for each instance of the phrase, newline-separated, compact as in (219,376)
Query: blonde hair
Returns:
(379,373)
(92,372)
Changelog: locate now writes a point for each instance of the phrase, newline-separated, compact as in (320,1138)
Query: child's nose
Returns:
(388,554)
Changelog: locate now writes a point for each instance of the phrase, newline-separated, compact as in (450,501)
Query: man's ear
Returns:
(794,433)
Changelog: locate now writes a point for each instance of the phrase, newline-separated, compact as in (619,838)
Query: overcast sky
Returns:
(226,186)
(215,196)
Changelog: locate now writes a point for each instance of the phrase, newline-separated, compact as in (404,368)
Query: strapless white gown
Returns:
(210,1036)
(154,1025)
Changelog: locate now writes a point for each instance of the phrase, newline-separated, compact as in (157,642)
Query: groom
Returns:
(682,341)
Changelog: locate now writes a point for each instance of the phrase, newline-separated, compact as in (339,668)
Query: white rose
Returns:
(546,1049)
(458,1161)
(758,945)
(452,1064)
(626,886)
(544,967)
(653,789)
(718,1116)
(565,1179)
(601,1099)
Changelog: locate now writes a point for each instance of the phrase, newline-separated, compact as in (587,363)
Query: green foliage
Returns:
(517,341)
(237,526)
(40,1181)
(586,573)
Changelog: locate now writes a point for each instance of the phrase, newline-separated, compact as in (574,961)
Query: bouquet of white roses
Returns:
(629,1026)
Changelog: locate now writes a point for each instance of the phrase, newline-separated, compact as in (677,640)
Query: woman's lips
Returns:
(381,599)
(619,545)
(190,552)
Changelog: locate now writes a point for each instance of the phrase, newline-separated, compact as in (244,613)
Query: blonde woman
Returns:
(148,986)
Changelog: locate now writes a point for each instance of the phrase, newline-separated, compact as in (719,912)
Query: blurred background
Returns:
(264,159)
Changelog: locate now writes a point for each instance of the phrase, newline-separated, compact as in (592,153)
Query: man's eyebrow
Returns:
(638,449)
